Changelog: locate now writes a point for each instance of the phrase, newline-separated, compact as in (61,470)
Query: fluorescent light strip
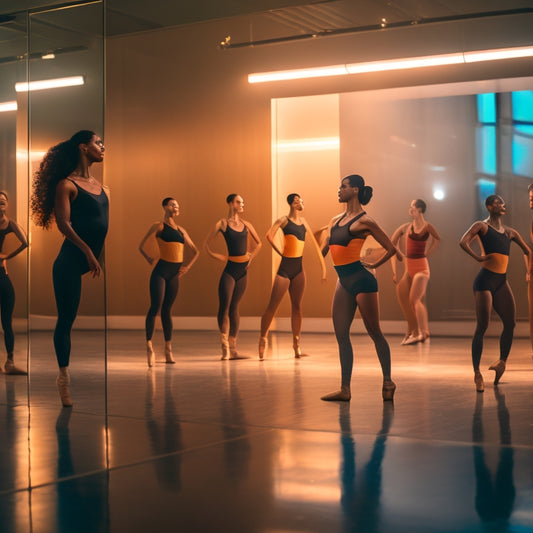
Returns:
(308,145)
(8,106)
(40,85)
(393,64)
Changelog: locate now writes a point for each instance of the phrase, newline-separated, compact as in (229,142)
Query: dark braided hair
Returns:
(57,164)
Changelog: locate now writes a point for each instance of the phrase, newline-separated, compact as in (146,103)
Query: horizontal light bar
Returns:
(8,106)
(393,64)
(308,145)
(40,85)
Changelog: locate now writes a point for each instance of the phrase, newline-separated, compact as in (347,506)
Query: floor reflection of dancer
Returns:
(7,292)
(420,240)
(164,281)
(361,501)
(64,189)
(290,276)
(236,233)
(494,498)
(530,270)
(356,286)
(491,288)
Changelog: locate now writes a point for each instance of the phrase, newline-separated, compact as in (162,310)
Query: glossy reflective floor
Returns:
(210,445)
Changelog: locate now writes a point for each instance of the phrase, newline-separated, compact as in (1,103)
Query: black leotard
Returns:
(237,243)
(345,250)
(7,297)
(291,261)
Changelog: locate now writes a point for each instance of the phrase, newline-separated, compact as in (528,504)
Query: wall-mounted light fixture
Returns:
(8,106)
(393,64)
(39,85)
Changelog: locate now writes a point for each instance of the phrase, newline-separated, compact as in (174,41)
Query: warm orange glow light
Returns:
(8,106)
(40,85)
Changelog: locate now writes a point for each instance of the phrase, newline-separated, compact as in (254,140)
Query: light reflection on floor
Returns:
(206,445)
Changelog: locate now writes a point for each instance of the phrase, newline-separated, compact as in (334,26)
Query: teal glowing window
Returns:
(486,108)
(486,149)
(522,140)
(522,106)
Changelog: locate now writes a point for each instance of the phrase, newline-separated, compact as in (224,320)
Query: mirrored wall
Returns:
(64,48)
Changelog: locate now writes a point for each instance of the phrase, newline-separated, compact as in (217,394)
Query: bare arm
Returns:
(209,242)
(474,231)
(435,238)
(395,239)
(188,242)
(65,193)
(255,239)
(281,222)
(316,247)
(21,236)
(383,239)
(516,237)
(149,233)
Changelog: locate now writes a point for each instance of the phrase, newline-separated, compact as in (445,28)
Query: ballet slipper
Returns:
(263,343)
(296,347)
(478,380)
(342,395)
(224,344)
(413,339)
(10,368)
(169,359)
(387,391)
(150,354)
(63,386)
(499,367)
(233,353)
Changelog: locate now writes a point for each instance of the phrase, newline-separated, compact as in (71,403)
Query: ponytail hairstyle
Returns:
(420,204)
(58,163)
(365,192)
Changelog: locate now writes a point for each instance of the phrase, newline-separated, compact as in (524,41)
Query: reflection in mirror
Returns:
(450,145)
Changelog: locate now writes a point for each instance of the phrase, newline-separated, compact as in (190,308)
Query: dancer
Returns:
(491,288)
(164,281)
(356,286)
(420,240)
(7,292)
(233,281)
(65,190)
(290,275)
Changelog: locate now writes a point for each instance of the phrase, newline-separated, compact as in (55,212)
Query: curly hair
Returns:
(57,164)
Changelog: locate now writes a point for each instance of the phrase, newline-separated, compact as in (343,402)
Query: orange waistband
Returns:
(344,255)
(239,258)
(496,263)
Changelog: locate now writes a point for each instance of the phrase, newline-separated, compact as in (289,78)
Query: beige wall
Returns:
(183,121)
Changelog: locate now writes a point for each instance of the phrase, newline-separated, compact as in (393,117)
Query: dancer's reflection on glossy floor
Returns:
(356,286)
(7,291)
(164,432)
(243,244)
(82,501)
(361,492)
(495,497)
(65,190)
(169,269)
(421,237)
(491,288)
(290,276)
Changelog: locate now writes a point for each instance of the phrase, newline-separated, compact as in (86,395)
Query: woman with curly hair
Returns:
(65,191)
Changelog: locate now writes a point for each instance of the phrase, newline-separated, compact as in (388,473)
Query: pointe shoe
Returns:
(387,391)
(233,353)
(224,344)
(404,340)
(499,367)
(169,359)
(342,395)
(296,347)
(150,354)
(478,380)
(413,339)
(63,386)
(10,368)
(263,343)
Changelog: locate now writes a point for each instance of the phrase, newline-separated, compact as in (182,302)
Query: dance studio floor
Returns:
(247,446)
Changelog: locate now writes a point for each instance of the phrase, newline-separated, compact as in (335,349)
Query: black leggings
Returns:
(502,300)
(164,285)
(230,292)
(67,273)
(7,304)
